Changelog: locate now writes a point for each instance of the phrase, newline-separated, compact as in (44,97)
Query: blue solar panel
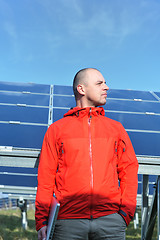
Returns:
(19,170)
(26,87)
(24,114)
(63,90)
(19,176)
(130,94)
(63,101)
(21,98)
(132,106)
(29,105)
(58,113)
(18,180)
(145,143)
(22,136)
(137,121)
(138,111)
(158,94)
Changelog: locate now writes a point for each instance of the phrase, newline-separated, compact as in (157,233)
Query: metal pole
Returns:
(158,208)
(145,204)
(22,204)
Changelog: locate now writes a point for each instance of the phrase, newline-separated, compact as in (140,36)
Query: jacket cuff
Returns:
(40,225)
(125,216)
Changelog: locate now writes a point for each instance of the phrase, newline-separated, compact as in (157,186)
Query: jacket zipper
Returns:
(91,159)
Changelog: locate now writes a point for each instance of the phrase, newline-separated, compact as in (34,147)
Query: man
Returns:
(88,162)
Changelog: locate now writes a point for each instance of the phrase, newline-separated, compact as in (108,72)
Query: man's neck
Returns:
(83,104)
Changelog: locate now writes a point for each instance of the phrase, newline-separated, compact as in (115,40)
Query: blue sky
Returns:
(48,41)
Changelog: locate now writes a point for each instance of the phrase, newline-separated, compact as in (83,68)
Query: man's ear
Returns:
(81,89)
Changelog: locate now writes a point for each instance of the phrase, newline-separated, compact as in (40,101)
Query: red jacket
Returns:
(82,158)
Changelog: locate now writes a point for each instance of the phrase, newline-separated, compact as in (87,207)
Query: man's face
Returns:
(95,89)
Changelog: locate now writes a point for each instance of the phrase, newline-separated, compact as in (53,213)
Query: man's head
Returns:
(89,88)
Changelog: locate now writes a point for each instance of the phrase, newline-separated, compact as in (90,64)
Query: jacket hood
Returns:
(80,112)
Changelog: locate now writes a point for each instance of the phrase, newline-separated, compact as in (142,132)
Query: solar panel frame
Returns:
(158,95)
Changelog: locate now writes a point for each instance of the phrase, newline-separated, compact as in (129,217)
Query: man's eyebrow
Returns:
(101,81)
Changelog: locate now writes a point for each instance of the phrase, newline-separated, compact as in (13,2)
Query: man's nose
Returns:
(106,87)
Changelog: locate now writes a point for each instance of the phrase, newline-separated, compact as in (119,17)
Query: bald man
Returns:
(88,162)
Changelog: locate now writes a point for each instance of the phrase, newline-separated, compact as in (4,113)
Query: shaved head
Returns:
(89,88)
(81,78)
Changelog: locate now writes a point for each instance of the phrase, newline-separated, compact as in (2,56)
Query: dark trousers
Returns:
(111,227)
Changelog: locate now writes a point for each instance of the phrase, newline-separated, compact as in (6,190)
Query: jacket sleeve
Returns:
(46,178)
(128,176)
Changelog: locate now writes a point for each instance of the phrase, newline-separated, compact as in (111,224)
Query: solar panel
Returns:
(24,87)
(24,98)
(132,106)
(22,136)
(19,176)
(136,121)
(58,113)
(64,101)
(62,90)
(145,143)
(26,111)
(130,94)
(23,114)
(158,95)
(138,111)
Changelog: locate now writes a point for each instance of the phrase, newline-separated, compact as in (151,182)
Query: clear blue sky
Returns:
(48,41)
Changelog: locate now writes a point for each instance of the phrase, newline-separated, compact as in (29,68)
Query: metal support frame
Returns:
(50,115)
(26,158)
(145,205)
(136,220)
(149,214)
(22,204)
(149,165)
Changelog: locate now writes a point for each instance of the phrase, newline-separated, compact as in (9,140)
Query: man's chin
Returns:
(100,104)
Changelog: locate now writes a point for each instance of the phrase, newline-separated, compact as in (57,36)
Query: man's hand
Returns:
(42,233)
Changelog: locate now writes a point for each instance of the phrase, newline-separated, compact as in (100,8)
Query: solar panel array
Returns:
(27,109)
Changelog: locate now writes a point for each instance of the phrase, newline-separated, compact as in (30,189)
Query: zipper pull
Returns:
(124,146)
(90,117)
(62,148)
(116,146)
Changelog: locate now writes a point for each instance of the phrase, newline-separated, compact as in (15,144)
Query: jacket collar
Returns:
(80,112)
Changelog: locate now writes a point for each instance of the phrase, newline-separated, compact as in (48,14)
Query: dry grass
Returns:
(11,227)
